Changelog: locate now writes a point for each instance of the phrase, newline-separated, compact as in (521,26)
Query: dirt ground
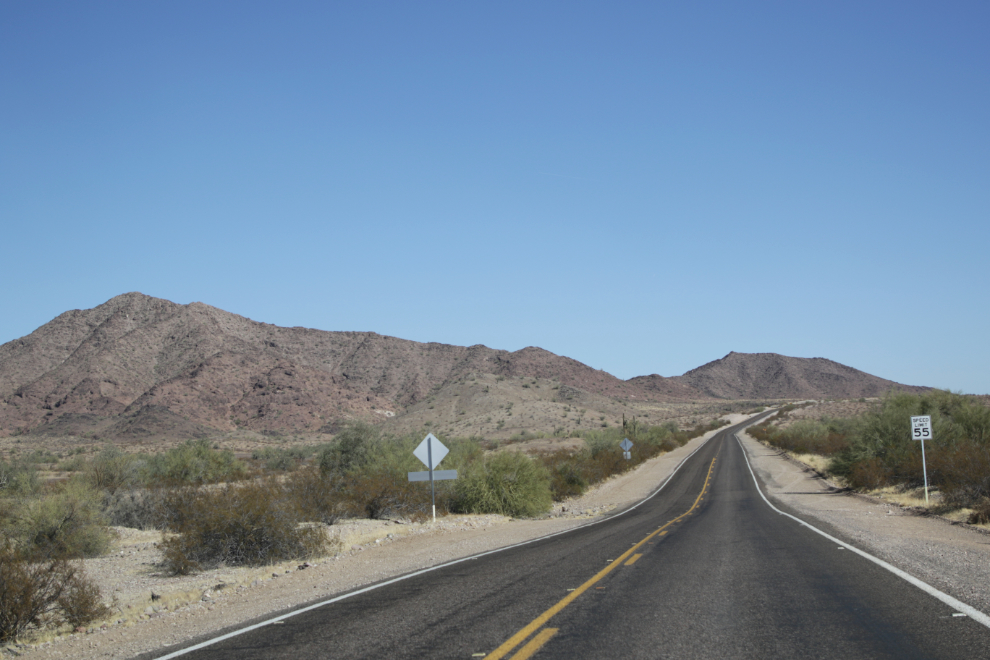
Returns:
(371,551)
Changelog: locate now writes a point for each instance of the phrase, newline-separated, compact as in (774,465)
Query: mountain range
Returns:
(138,366)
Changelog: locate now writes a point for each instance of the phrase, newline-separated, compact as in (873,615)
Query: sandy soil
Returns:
(370,551)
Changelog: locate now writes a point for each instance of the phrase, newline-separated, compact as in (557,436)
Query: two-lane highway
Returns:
(705,568)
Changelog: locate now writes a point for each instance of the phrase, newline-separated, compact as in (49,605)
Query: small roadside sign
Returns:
(921,429)
(431,451)
(626,446)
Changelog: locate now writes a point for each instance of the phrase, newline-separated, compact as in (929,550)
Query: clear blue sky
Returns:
(643,187)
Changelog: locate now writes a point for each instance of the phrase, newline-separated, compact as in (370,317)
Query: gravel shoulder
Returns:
(951,557)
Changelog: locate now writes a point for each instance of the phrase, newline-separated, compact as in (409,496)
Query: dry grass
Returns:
(814,461)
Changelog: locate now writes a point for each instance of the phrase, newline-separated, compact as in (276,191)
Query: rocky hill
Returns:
(773,376)
(140,367)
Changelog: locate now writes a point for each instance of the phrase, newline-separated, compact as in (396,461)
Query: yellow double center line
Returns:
(534,645)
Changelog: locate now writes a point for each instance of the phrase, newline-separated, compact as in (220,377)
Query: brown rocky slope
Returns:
(138,367)
(773,376)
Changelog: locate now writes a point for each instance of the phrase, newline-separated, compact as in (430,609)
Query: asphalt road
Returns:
(704,569)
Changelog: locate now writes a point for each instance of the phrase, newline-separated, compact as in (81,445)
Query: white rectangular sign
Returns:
(921,427)
(438,475)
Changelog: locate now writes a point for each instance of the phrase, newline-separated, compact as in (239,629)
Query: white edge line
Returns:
(268,622)
(960,606)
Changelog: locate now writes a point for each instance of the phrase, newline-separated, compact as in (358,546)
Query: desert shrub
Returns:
(567,478)
(603,442)
(18,478)
(507,482)
(981,513)
(278,459)
(111,470)
(877,450)
(869,474)
(573,472)
(525,436)
(370,470)
(193,462)
(74,463)
(39,456)
(824,437)
(388,493)
(35,594)
(602,462)
(253,523)
(961,472)
(353,448)
(138,509)
(315,497)
(81,602)
(66,523)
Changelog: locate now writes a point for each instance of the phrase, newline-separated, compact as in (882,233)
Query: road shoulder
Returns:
(951,557)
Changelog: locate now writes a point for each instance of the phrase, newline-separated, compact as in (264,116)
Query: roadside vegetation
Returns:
(216,509)
(44,531)
(572,473)
(876,450)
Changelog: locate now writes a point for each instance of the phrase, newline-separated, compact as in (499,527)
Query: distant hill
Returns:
(773,376)
(138,367)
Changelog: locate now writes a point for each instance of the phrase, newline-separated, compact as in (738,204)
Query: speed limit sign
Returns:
(921,427)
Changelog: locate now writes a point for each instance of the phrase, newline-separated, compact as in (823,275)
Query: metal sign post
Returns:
(431,451)
(921,429)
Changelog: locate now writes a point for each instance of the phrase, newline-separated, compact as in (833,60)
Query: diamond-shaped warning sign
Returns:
(430,447)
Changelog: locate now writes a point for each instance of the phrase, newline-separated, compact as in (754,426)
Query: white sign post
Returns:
(431,451)
(921,429)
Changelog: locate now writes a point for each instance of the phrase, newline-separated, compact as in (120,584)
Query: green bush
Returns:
(572,472)
(278,459)
(39,456)
(507,482)
(112,470)
(825,437)
(876,450)
(352,448)
(567,474)
(370,472)
(253,523)
(193,462)
(67,523)
(18,478)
